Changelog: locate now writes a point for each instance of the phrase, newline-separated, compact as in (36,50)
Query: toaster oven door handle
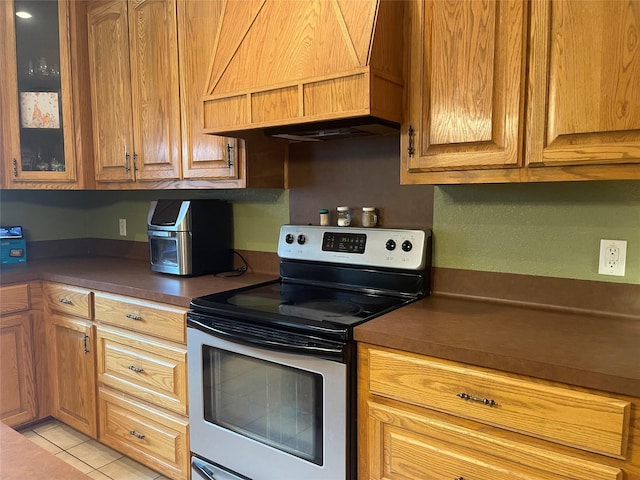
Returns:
(160,233)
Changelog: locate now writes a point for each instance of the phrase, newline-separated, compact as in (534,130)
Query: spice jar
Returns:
(344,216)
(369,217)
(324,217)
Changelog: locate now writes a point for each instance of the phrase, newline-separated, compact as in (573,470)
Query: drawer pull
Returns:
(136,369)
(459,478)
(66,301)
(133,316)
(136,434)
(484,401)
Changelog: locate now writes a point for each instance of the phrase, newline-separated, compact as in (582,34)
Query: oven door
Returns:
(170,252)
(265,414)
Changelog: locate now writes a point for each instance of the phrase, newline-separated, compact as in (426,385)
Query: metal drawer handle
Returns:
(484,401)
(133,316)
(459,478)
(136,434)
(66,301)
(136,369)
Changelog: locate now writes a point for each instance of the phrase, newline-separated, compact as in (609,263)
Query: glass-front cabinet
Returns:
(43,111)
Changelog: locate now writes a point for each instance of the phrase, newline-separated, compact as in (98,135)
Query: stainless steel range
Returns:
(272,367)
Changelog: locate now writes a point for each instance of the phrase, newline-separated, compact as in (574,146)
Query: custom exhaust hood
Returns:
(306,69)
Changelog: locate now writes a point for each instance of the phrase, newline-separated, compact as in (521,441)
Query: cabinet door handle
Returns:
(15,167)
(411,149)
(66,301)
(471,398)
(229,156)
(86,343)
(133,316)
(135,162)
(136,369)
(136,434)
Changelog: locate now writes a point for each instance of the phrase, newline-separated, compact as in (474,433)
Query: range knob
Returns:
(390,245)
(301,239)
(407,246)
(289,238)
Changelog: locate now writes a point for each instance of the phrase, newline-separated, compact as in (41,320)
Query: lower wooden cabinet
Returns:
(17,376)
(73,377)
(142,376)
(421,417)
(149,435)
(23,368)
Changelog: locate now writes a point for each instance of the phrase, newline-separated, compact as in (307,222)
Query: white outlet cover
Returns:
(613,255)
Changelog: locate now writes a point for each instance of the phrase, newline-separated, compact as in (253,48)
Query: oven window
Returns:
(274,404)
(164,251)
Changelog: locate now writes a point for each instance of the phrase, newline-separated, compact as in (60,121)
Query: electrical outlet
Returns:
(613,256)
(122,223)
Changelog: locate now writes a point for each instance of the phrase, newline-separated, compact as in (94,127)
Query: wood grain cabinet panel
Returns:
(144,367)
(518,91)
(158,319)
(73,363)
(422,417)
(152,436)
(134,90)
(466,86)
(70,300)
(18,403)
(14,298)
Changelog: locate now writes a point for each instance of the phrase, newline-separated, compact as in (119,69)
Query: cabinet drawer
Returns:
(153,437)
(157,319)
(418,445)
(582,420)
(14,298)
(67,299)
(146,368)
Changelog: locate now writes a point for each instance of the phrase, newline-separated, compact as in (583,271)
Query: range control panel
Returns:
(375,247)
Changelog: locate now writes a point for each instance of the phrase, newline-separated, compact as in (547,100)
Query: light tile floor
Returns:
(96,460)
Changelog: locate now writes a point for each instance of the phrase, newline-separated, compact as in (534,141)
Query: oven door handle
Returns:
(205,471)
(305,345)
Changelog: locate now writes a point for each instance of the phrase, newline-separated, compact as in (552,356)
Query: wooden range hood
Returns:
(310,68)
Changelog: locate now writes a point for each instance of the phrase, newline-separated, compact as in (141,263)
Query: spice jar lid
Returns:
(324,210)
(368,209)
(343,209)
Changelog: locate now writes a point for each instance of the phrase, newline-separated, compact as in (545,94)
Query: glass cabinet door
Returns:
(37,104)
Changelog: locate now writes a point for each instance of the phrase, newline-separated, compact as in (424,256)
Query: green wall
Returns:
(547,229)
(50,215)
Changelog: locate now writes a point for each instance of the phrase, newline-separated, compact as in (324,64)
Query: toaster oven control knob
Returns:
(301,239)
(289,238)
(391,245)
(407,246)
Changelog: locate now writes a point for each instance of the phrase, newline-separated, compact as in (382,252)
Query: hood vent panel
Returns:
(281,63)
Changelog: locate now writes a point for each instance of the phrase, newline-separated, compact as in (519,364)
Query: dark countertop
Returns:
(126,277)
(598,352)
(594,351)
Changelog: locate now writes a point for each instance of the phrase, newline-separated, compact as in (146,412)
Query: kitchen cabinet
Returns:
(133,58)
(43,102)
(521,91)
(147,113)
(279,63)
(72,343)
(18,401)
(142,375)
(425,417)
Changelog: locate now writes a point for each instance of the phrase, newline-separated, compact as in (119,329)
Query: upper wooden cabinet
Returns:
(133,58)
(146,93)
(521,91)
(279,62)
(43,101)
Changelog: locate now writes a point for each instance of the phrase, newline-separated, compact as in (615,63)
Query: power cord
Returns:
(236,272)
